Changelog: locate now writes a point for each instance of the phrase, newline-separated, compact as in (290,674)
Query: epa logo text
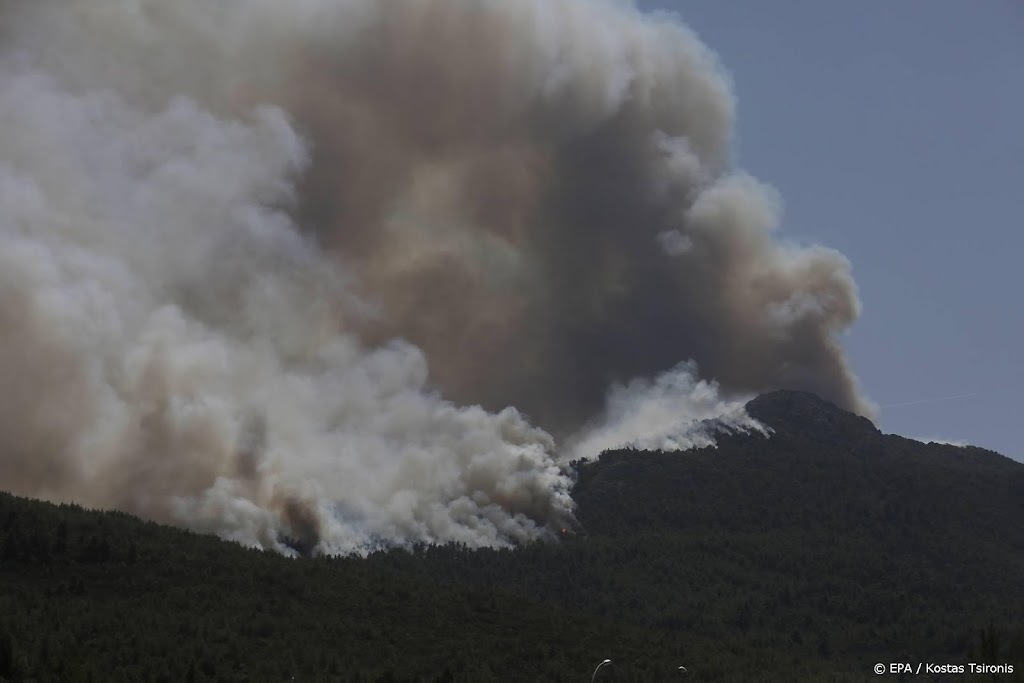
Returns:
(899,668)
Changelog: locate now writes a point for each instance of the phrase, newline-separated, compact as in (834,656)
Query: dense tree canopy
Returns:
(809,555)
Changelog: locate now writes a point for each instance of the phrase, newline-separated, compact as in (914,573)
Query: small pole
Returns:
(607,661)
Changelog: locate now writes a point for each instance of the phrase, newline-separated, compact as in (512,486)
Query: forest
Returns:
(809,555)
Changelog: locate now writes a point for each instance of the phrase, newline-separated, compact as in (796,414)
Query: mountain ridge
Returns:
(815,451)
(799,555)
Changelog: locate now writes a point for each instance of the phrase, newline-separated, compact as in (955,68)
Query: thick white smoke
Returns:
(172,346)
(297,272)
(674,412)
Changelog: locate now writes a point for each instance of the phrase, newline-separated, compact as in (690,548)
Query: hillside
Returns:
(821,468)
(809,555)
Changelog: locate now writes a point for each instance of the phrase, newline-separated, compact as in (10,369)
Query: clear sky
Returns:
(895,133)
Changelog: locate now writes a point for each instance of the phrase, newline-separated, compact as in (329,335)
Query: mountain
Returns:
(820,467)
(810,554)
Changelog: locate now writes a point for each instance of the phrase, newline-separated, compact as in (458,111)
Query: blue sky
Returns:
(895,133)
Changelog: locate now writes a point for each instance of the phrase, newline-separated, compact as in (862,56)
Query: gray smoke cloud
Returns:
(327,274)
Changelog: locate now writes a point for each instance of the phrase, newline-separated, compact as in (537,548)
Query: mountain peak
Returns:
(808,414)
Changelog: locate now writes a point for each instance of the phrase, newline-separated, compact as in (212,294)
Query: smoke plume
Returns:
(675,412)
(328,274)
